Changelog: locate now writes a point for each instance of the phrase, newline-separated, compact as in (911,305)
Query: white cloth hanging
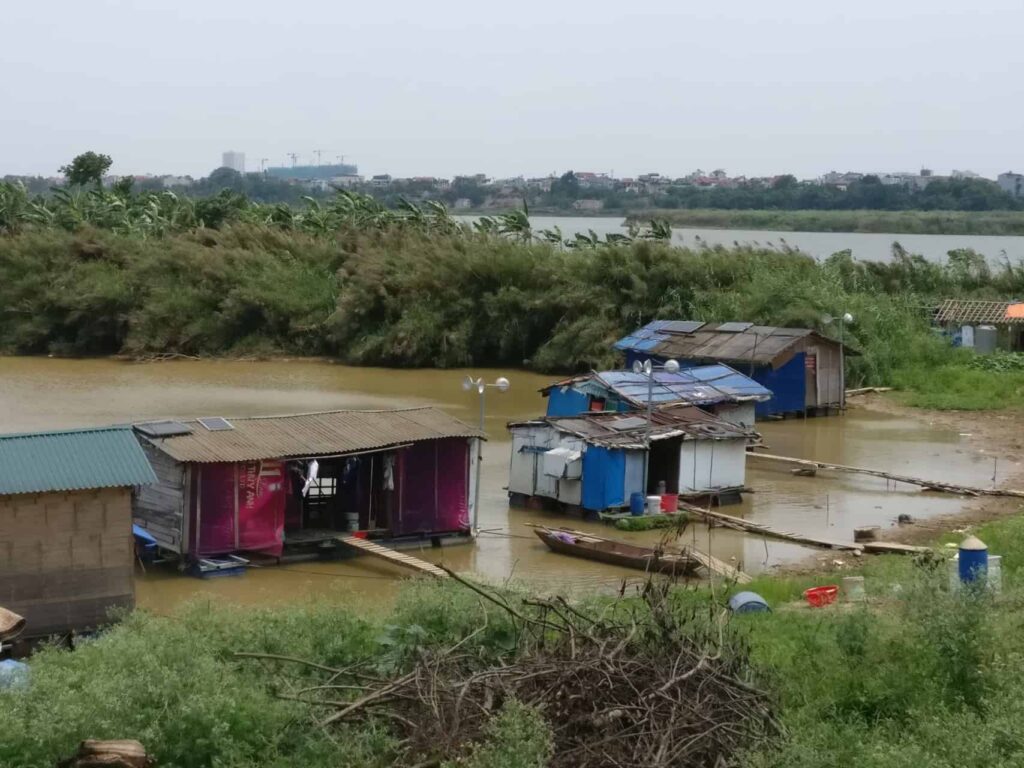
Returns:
(311,475)
(389,473)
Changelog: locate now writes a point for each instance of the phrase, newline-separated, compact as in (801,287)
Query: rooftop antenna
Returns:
(295,158)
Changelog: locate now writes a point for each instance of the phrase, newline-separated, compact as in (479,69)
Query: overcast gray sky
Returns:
(416,88)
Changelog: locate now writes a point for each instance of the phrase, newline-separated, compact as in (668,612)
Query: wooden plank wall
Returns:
(66,559)
(158,508)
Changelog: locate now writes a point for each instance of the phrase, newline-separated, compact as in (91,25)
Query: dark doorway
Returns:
(664,465)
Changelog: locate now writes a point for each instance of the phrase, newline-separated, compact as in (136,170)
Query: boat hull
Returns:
(617,553)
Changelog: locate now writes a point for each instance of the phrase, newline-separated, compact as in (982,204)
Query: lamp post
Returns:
(647,368)
(468,384)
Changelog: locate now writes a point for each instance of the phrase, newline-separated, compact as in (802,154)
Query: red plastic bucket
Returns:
(669,502)
(818,597)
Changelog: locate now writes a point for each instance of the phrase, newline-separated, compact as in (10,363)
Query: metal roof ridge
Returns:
(65,431)
(312,413)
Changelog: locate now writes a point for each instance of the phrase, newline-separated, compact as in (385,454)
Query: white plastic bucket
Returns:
(853,589)
(653,505)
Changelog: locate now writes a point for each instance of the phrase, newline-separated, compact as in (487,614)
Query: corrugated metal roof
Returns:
(758,344)
(72,460)
(627,430)
(311,434)
(977,311)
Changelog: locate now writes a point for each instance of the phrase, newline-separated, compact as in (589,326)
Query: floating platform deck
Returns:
(398,558)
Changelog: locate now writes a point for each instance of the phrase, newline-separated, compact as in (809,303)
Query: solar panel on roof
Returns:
(734,327)
(683,326)
(633,422)
(216,424)
(163,429)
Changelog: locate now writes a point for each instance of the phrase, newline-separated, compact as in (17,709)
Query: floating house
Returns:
(595,461)
(717,389)
(262,484)
(66,548)
(984,326)
(803,369)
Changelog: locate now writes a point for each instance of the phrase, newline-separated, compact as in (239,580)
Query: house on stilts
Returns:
(596,461)
(280,484)
(803,368)
(717,389)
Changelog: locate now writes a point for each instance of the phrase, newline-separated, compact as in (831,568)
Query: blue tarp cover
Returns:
(567,403)
(604,478)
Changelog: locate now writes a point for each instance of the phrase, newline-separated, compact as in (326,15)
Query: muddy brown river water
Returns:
(41,393)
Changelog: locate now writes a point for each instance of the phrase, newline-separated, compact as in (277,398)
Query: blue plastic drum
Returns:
(637,503)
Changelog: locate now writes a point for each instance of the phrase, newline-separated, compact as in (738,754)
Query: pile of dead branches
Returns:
(642,683)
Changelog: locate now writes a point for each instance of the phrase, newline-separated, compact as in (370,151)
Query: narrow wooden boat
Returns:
(590,547)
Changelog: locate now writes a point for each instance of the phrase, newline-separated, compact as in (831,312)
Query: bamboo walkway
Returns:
(398,558)
(930,485)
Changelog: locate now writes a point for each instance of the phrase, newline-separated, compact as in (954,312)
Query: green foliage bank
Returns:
(92,271)
(423,299)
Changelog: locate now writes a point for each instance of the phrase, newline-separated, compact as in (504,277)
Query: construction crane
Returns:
(318,153)
(341,159)
(263,164)
(295,158)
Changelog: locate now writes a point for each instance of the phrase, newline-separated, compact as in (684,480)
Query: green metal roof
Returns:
(72,460)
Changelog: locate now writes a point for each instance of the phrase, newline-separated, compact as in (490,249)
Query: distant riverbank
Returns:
(892,222)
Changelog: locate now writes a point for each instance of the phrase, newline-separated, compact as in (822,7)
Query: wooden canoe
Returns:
(589,547)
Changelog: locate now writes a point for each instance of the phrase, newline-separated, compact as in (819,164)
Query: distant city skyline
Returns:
(412,89)
(236,160)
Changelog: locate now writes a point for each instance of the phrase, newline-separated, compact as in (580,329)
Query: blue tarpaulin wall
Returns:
(788,385)
(567,403)
(604,478)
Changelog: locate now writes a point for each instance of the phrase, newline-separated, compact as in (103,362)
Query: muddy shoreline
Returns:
(995,432)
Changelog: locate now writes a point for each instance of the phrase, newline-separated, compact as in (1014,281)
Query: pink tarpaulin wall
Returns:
(434,487)
(241,507)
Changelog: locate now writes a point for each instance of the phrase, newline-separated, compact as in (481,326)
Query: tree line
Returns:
(785,193)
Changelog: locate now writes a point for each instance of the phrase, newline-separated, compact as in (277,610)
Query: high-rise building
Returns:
(233,160)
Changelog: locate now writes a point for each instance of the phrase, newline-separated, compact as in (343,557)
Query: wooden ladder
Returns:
(392,556)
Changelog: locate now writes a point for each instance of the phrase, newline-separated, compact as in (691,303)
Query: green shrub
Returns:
(517,737)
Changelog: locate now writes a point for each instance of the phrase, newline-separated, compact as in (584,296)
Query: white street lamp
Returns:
(647,368)
(469,384)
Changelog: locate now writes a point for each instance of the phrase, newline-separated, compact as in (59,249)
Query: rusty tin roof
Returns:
(735,343)
(309,434)
(978,311)
(627,429)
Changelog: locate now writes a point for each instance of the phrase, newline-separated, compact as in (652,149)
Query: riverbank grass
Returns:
(915,676)
(953,387)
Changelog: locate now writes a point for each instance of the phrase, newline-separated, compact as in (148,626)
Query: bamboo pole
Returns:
(931,485)
(739,524)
